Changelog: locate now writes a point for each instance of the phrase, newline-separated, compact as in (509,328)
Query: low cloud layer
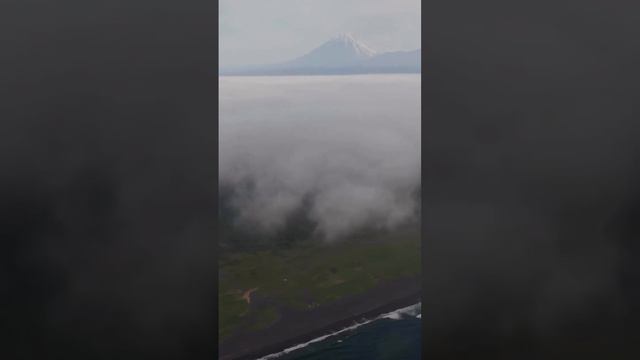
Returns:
(350,146)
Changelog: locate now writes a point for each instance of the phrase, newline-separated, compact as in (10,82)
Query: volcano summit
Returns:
(342,54)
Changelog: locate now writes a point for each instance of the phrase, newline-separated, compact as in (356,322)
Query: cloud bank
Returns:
(347,147)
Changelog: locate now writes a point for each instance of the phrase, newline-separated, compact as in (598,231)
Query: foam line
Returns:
(396,314)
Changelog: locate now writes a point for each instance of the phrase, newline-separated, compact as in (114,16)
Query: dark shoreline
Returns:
(407,298)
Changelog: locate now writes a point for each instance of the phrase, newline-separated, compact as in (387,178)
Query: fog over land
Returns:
(345,149)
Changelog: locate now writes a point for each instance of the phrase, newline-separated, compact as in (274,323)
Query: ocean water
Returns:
(345,150)
(393,336)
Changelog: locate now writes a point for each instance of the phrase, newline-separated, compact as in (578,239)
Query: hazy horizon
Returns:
(280,30)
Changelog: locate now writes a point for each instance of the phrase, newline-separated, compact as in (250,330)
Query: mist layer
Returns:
(346,149)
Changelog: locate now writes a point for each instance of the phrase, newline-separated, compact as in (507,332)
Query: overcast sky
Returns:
(265,31)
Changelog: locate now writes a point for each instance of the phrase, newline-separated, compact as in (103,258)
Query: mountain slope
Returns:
(342,54)
(343,50)
(395,58)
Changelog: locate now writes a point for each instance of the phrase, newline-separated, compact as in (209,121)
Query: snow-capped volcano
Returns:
(342,54)
(342,50)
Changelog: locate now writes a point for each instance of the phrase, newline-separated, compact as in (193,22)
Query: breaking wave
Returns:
(409,311)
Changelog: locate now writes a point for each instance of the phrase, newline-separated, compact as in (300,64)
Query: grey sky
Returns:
(265,31)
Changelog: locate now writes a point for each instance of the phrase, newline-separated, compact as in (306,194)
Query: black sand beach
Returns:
(295,327)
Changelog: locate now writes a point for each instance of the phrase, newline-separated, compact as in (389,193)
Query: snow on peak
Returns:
(341,50)
(342,54)
(350,41)
(346,37)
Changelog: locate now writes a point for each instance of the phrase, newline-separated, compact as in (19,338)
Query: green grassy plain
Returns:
(309,275)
